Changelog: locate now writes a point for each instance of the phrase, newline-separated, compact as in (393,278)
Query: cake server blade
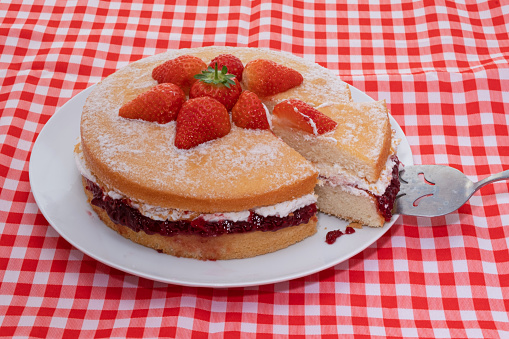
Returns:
(434,190)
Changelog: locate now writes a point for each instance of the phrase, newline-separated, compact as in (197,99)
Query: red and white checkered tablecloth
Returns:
(442,66)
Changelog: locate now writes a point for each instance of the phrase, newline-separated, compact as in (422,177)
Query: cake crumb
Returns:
(355,225)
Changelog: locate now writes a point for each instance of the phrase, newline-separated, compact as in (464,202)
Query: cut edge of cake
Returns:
(357,161)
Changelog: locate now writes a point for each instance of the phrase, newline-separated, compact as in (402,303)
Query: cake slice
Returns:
(356,161)
(360,144)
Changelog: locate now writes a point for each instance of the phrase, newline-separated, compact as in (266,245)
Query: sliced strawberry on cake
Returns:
(266,77)
(179,71)
(295,113)
(159,104)
(249,112)
(201,120)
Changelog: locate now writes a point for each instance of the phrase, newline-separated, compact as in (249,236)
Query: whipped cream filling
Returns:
(335,175)
(281,209)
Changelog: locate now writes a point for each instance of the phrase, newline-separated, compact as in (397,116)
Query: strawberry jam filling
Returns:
(120,212)
(386,201)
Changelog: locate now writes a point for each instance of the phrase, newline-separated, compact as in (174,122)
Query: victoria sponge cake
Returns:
(195,153)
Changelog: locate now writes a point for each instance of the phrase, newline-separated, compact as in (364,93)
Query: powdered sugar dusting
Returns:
(360,125)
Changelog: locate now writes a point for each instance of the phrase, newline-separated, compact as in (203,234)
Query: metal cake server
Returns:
(442,190)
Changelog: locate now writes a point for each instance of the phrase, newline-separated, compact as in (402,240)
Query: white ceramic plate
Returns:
(56,185)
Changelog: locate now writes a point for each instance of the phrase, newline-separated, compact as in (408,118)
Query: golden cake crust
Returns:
(242,170)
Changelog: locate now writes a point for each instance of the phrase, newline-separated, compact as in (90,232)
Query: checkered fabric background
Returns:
(441,65)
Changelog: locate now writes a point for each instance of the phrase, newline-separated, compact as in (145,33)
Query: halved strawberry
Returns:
(297,114)
(216,84)
(249,112)
(266,77)
(159,104)
(179,71)
(200,120)
(232,63)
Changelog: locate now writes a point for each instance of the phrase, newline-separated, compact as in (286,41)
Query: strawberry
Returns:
(159,104)
(297,114)
(249,112)
(232,63)
(179,71)
(200,120)
(265,77)
(216,84)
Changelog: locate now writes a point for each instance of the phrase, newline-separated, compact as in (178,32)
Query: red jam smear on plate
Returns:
(332,236)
